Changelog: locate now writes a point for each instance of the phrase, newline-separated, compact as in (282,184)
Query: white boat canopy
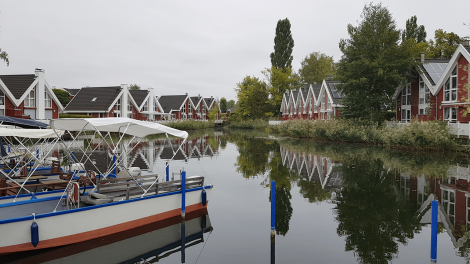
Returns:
(30,133)
(125,125)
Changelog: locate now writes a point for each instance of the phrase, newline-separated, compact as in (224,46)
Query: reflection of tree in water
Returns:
(371,217)
(256,157)
(313,191)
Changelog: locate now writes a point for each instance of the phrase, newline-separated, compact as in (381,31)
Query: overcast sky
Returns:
(177,47)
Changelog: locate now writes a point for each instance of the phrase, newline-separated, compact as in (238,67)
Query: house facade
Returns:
(329,100)
(437,90)
(28,96)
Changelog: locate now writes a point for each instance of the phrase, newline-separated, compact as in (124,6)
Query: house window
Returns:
(129,109)
(406,95)
(117,106)
(2,98)
(47,100)
(405,115)
(117,114)
(448,202)
(423,111)
(190,111)
(173,116)
(450,114)
(145,108)
(424,96)
(29,101)
(101,115)
(450,88)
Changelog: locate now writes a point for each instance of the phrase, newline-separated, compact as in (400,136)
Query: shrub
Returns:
(190,124)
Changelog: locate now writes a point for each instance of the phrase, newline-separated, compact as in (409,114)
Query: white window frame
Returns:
(450,87)
(47,100)
(145,108)
(448,203)
(2,98)
(117,106)
(405,115)
(29,100)
(406,95)
(450,114)
(129,110)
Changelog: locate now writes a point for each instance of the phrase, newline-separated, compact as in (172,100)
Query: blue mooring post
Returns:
(37,153)
(73,155)
(434,209)
(167,171)
(114,165)
(273,208)
(183,195)
(9,148)
(183,242)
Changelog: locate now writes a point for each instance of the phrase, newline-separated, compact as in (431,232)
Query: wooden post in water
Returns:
(434,209)
(273,208)
(183,195)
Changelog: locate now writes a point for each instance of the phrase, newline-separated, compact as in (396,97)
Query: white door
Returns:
(48,114)
(31,113)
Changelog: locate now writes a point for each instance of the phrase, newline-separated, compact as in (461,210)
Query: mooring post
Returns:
(73,155)
(183,195)
(37,153)
(114,165)
(9,148)
(435,208)
(167,171)
(273,208)
(183,241)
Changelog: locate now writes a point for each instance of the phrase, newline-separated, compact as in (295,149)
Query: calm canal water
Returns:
(335,203)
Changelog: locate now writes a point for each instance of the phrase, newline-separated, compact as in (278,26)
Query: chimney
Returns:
(186,94)
(466,43)
(199,95)
(124,86)
(422,57)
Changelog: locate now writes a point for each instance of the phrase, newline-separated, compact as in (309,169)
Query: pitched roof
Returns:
(337,96)
(304,90)
(139,96)
(433,69)
(72,91)
(196,100)
(83,100)
(18,84)
(316,89)
(209,101)
(171,102)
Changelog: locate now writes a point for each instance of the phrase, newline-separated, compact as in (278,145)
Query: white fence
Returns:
(458,129)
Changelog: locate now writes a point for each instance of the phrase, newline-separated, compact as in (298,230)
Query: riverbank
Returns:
(417,136)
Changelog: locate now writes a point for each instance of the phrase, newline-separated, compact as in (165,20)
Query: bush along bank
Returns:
(249,124)
(431,135)
(190,124)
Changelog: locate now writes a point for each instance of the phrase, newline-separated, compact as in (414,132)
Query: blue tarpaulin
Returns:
(24,123)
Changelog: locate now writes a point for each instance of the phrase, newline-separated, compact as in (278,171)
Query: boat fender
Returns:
(34,232)
(204,197)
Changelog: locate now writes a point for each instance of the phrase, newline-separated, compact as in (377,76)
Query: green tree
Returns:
(223,105)
(315,67)
(134,87)
(413,31)
(252,98)
(373,65)
(213,112)
(283,45)
(444,44)
(230,104)
(4,56)
(63,96)
(279,81)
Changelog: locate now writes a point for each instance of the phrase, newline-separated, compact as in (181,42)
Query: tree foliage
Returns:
(252,98)
(413,31)
(283,45)
(223,105)
(315,67)
(279,81)
(4,56)
(214,111)
(230,104)
(134,87)
(444,44)
(63,96)
(373,65)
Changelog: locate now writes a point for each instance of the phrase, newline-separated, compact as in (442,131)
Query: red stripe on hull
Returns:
(61,241)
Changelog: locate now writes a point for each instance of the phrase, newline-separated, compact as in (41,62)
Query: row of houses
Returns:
(31,96)
(437,91)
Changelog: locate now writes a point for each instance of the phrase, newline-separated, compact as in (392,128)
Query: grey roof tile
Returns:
(72,91)
(139,96)
(83,100)
(171,102)
(18,84)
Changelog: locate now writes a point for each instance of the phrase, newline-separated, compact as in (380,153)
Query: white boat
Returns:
(113,205)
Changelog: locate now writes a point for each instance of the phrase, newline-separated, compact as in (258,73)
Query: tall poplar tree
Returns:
(373,65)
(413,31)
(283,45)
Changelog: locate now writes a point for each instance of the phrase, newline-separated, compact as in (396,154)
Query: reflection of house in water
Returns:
(453,193)
(313,168)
